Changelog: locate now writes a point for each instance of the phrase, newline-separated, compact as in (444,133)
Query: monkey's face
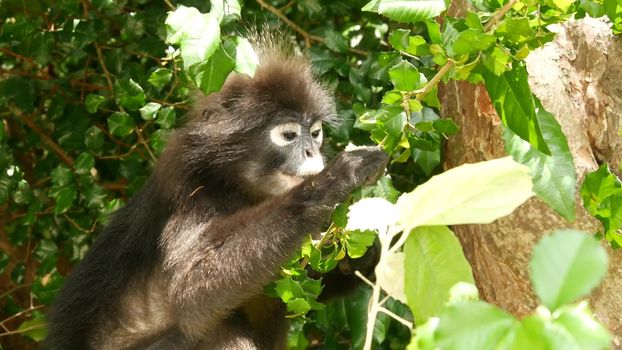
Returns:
(291,152)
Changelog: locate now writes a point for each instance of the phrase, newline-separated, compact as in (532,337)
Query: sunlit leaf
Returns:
(390,275)
(434,263)
(553,176)
(565,266)
(515,105)
(473,325)
(479,192)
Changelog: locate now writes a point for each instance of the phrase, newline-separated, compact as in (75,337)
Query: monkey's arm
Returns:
(217,266)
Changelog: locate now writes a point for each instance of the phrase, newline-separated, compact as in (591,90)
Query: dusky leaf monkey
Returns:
(184,263)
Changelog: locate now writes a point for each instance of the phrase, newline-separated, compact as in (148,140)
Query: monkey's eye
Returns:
(289,135)
(316,133)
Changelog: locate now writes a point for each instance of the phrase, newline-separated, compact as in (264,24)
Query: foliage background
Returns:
(89,91)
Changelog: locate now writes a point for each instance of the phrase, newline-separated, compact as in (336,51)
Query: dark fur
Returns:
(183,264)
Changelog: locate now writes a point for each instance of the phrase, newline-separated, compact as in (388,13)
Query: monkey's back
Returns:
(126,248)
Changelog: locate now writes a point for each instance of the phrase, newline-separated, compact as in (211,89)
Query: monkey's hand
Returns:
(346,172)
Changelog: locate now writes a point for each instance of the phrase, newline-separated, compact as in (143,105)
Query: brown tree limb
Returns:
(44,137)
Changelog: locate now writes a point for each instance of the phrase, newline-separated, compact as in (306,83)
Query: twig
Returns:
(396,317)
(44,137)
(142,140)
(30,309)
(16,55)
(103,64)
(8,292)
(435,80)
(76,225)
(170,5)
(23,330)
(499,15)
(358,274)
(306,36)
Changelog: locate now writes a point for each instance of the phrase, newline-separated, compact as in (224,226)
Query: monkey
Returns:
(239,185)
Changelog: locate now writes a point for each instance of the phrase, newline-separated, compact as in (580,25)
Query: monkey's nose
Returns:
(309,153)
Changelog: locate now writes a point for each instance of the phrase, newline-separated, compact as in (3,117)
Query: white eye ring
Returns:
(316,128)
(284,134)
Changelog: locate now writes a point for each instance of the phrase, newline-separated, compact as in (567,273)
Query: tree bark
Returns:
(577,79)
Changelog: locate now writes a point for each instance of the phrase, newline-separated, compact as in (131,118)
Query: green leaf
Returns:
(434,263)
(496,61)
(479,192)
(563,5)
(565,266)
(61,175)
(160,77)
(553,176)
(148,111)
(22,195)
(288,289)
(210,76)
(157,140)
(298,305)
(602,197)
(166,118)
(226,10)
(534,332)
(335,41)
(197,34)
(64,199)
(515,104)
(357,242)
(120,124)
(84,163)
(94,138)
(92,102)
(404,76)
(246,60)
(472,40)
(129,94)
(427,160)
(473,325)
(35,329)
(445,126)
(586,331)
(407,11)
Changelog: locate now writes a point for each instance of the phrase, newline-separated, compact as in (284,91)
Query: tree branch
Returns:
(499,15)
(44,137)
(435,80)
(103,64)
(306,36)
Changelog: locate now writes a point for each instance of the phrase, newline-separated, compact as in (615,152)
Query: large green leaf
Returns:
(553,176)
(479,193)
(209,76)
(586,331)
(473,325)
(404,76)
(434,262)
(197,34)
(534,332)
(120,124)
(129,94)
(407,11)
(565,266)
(515,104)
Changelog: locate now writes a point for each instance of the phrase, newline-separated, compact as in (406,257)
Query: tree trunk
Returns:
(577,78)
